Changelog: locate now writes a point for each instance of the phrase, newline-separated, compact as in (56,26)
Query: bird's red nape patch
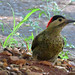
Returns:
(49,22)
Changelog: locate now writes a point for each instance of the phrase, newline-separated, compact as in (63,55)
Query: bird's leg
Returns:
(53,60)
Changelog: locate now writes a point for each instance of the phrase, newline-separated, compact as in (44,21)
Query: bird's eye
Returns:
(60,20)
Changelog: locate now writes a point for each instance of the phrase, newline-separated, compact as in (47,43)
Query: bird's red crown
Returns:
(49,22)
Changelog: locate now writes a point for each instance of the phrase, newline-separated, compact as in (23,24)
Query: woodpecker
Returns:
(49,43)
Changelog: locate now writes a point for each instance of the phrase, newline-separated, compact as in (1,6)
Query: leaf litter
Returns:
(18,61)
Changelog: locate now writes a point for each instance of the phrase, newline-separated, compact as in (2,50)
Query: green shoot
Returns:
(28,39)
(66,45)
(13,14)
(11,42)
(18,25)
(2,27)
(64,55)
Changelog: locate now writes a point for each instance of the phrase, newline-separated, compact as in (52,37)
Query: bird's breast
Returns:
(55,43)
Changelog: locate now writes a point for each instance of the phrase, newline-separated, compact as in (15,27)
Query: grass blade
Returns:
(13,15)
(18,25)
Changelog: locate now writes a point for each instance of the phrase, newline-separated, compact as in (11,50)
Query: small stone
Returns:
(5,64)
(13,73)
(71,63)
(62,68)
(15,69)
(59,59)
(73,69)
(45,73)
(16,52)
(19,73)
(26,55)
(58,63)
(14,65)
(5,53)
(27,67)
(34,73)
(28,70)
(25,71)
(16,49)
(8,68)
(71,73)
(36,68)
(1,64)
(63,65)
(3,73)
(13,59)
(23,68)
(1,68)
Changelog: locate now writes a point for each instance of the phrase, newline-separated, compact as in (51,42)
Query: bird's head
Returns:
(58,21)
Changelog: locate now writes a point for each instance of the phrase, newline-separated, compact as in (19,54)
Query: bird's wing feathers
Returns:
(34,43)
(37,41)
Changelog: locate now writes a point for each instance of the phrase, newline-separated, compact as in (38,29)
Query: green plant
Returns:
(28,40)
(34,25)
(12,42)
(13,15)
(2,27)
(66,45)
(15,28)
(64,55)
(54,8)
(50,6)
(0,1)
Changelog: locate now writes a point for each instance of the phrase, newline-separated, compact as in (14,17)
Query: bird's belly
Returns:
(55,46)
(48,49)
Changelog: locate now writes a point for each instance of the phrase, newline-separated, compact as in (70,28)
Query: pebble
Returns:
(63,65)
(58,63)
(13,73)
(1,64)
(71,73)
(8,68)
(34,73)
(3,72)
(15,69)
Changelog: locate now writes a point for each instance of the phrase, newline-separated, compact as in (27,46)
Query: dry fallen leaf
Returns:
(47,63)
(5,64)
(21,62)
(5,53)
(26,55)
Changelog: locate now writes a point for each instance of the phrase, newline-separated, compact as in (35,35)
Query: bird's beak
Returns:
(69,21)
